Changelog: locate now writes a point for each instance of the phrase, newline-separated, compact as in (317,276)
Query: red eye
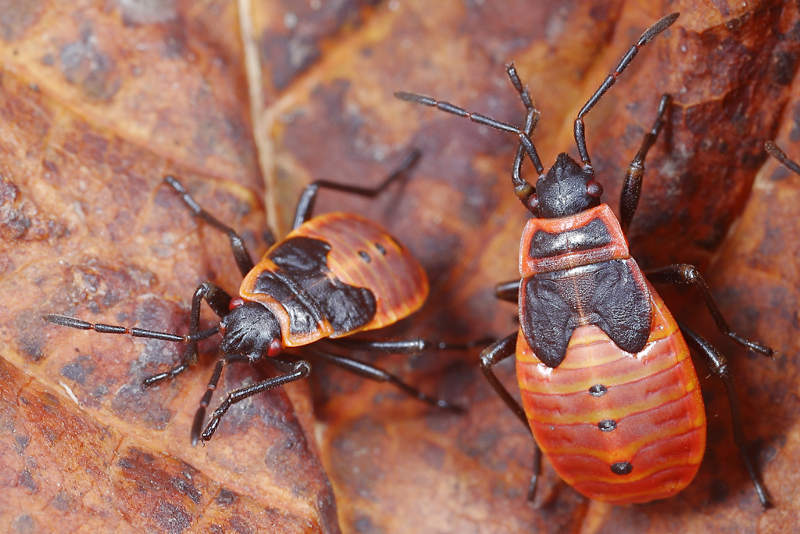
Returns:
(275,347)
(594,189)
(235,303)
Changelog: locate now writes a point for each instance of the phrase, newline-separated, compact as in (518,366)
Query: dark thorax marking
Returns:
(592,235)
(604,294)
(308,291)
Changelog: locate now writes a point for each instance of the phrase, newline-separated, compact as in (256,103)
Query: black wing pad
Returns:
(305,287)
(611,294)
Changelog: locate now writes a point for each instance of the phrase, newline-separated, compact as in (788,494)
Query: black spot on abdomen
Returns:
(598,390)
(607,425)
(621,468)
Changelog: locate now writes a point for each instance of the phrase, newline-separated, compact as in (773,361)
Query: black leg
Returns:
(406,346)
(491,355)
(240,254)
(647,36)
(719,366)
(374,373)
(522,188)
(508,291)
(685,274)
(632,187)
(778,154)
(475,117)
(219,301)
(200,414)
(294,370)
(305,204)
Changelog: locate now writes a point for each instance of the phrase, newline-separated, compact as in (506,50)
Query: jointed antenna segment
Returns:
(475,117)
(648,35)
(63,320)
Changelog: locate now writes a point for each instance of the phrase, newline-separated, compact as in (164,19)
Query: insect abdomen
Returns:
(618,427)
(335,275)
(363,254)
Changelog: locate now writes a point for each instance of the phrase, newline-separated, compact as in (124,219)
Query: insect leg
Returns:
(293,371)
(243,259)
(491,355)
(648,35)
(632,187)
(508,291)
(200,414)
(406,346)
(219,301)
(719,366)
(305,204)
(685,274)
(374,373)
(778,154)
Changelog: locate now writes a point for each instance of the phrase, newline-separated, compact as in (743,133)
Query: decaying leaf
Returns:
(249,101)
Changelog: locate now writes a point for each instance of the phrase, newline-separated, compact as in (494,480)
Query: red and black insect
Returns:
(608,389)
(332,276)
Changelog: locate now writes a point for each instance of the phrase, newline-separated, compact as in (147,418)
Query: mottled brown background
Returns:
(248,101)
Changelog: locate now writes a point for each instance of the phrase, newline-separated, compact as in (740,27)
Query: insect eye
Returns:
(594,189)
(274,347)
(533,203)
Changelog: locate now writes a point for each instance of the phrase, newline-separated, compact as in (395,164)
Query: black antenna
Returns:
(63,320)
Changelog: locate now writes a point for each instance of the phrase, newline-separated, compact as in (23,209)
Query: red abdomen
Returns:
(384,282)
(616,426)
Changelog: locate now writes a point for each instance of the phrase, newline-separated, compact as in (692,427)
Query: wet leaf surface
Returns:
(248,102)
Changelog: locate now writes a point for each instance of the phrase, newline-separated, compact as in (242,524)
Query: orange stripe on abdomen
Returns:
(363,254)
(645,410)
(656,356)
(632,433)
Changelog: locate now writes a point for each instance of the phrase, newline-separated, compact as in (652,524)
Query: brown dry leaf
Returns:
(99,100)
